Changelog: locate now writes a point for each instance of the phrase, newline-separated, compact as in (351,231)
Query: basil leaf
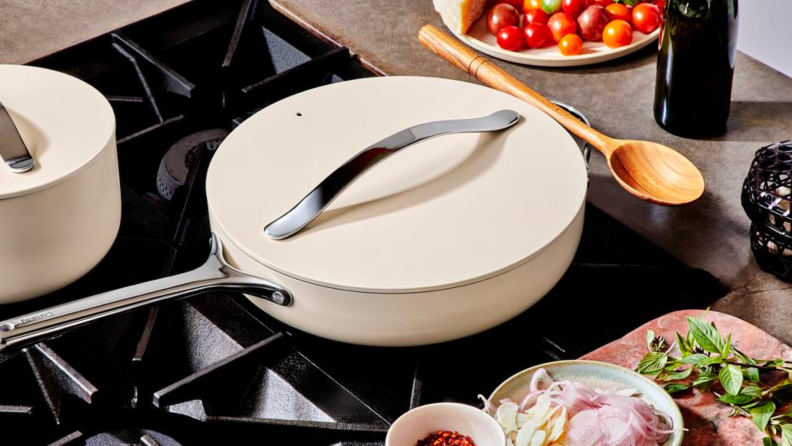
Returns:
(704,380)
(736,399)
(712,360)
(745,359)
(676,387)
(731,378)
(706,336)
(786,435)
(696,358)
(684,346)
(752,374)
(649,339)
(726,348)
(673,375)
(761,414)
(753,391)
(653,363)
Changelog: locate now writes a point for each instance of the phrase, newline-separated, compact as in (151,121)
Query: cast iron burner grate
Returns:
(214,369)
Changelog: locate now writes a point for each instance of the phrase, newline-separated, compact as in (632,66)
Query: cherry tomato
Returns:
(603,3)
(660,5)
(532,4)
(573,8)
(561,24)
(535,16)
(501,16)
(617,11)
(510,38)
(617,33)
(551,6)
(517,4)
(646,18)
(536,35)
(571,45)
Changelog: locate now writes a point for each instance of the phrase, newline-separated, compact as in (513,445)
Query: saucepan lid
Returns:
(447,212)
(62,122)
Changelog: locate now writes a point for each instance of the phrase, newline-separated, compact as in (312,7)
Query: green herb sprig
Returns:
(709,362)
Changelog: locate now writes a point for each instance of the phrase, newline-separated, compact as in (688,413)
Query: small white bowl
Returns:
(418,423)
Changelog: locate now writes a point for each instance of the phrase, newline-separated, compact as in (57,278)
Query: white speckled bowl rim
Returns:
(616,374)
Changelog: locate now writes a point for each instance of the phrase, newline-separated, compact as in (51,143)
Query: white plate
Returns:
(479,38)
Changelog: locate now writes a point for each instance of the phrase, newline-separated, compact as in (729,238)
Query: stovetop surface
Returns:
(214,369)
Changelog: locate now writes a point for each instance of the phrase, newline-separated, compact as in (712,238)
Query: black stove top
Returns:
(215,370)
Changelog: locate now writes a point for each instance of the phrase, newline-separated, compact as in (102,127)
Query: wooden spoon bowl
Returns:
(649,171)
(655,173)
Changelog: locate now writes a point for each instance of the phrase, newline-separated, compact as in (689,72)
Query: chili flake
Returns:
(446,438)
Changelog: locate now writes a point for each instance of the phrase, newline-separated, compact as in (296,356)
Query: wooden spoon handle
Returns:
(486,72)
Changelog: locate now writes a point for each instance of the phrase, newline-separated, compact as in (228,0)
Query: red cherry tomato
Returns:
(516,3)
(560,25)
(603,3)
(510,38)
(536,35)
(617,11)
(532,4)
(573,8)
(571,45)
(535,16)
(501,16)
(617,33)
(646,18)
(660,5)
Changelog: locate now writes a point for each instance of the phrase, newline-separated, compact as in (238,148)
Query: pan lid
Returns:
(63,122)
(447,212)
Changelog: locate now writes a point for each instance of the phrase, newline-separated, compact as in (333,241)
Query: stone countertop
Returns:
(617,97)
(30,30)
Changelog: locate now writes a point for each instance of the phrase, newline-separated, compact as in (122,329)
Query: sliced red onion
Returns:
(597,418)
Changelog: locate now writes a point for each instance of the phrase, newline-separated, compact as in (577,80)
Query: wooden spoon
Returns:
(648,170)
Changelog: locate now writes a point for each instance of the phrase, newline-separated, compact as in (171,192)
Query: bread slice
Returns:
(459,15)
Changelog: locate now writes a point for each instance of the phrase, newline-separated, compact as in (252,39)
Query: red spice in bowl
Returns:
(446,438)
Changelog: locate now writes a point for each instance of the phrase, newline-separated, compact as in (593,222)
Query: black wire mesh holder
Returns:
(767,200)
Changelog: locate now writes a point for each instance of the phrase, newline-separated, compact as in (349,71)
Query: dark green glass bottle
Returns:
(695,66)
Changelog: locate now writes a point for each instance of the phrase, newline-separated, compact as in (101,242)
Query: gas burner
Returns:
(178,160)
(214,369)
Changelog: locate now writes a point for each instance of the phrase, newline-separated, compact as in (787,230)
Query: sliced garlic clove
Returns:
(559,426)
(626,392)
(525,434)
(539,438)
(507,416)
(546,418)
(522,419)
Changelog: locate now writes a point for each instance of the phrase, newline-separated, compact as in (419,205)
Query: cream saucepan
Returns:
(451,237)
(60,196)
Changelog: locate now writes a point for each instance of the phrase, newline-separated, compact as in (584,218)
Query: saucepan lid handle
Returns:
(339,180)
(13,150)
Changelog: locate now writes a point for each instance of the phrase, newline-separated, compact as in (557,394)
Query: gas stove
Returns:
(213,369)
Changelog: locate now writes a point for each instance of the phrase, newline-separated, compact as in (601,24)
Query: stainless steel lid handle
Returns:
(12,148)
(331,187)
(215,273)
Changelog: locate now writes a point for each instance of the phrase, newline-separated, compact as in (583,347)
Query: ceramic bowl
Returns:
(598,375)
(418,423)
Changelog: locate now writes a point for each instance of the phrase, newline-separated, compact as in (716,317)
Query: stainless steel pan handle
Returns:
(331,187)
(214,274)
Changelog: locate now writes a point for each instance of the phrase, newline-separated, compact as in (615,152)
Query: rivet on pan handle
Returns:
(331,187)
(12,148)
